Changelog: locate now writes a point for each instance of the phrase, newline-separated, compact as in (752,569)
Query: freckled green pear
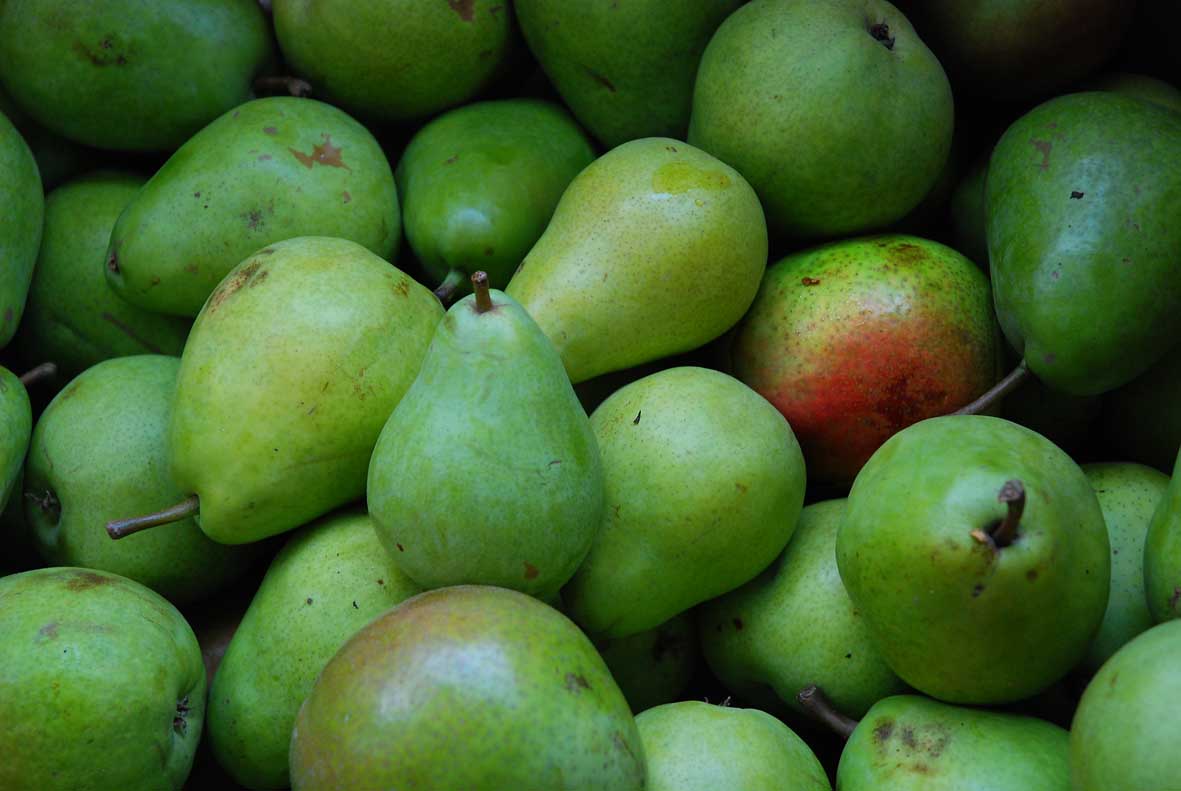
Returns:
(22,205)
(330,579)
(71,316)
(1162,553)
(16,427)
(268,170)
(655,249)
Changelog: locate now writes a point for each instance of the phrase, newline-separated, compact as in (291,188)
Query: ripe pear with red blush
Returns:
(855,340)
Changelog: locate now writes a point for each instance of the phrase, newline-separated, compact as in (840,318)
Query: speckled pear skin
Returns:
(22,204)
(1162,553)
(289,374)
(705,483)
(100,452)
(268,170)
(1128,494)
(655,249)
(72,317)
(467,688)
(911,743)
(1101,172)
(128,75)
(487,472)
(1124,733)
(329,579)
(695,746)
(103,684)
(958,619)
(16,427)
(794,625)
(625,69)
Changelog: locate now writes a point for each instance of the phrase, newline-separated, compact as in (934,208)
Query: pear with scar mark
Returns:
(487,471)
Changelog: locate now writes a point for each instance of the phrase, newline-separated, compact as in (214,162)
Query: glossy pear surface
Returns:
(22,205)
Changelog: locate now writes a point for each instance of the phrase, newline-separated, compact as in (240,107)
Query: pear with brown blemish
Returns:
(289,373)
(268,170)
(487,471)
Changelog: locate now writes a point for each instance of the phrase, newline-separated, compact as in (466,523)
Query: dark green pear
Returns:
(479,184)
(467,688)
(268,170)
(16,427)
(1128,494)
(1127,725)
(103,685)
(487,472)
(1139,85)
(976,551)
(967,214)
(71,316)
(128,75)
(1139,419)
(329,579)
(654,666)
(626,70)
(1162,553)
(58,159)
(1101,172)
(794,625)
(22,205)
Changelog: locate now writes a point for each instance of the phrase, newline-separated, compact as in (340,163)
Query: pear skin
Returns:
(16,427)
(22,204)
(1162,553)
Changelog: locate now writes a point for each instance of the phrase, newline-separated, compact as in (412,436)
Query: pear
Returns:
(467,688)
(268,170)
(695,746)
(794,625)
(1139,421)
(123,75)
(704,487)
(656,248)
(330,579)
(1128,494)
(103,685)
(976,551)
(288,375)
(1126,728)
(487,472)
(22,204)
(478,185)
(1101,172)
(57,159)
(100,451)
(16,427)
(654,666)
(1162,553)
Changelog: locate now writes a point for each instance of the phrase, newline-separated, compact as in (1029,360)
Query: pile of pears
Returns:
(554,394)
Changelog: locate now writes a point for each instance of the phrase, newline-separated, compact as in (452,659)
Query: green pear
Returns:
(975,549)
(1066,420)
(268,170)
(1128,494)
(695,746)
(911,743)
(704,483)
(626,70)
(1126,728)
(478,185)
(487,471)
(794,625)
(1139,420)
(103,685)
(330,579)
(126,75)
(1139,85)
(99,452)
(654,666)
(57,159)
(1162,553)
(71,316)
(836,112)
(467,688)
(22,204)
(1100,172)
(287,377)
(16,428)
(395,60)
(655,249)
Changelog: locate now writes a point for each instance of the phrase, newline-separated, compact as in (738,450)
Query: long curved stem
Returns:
(820,708)
(1015,379)
(120,528)
(41,372)
(446,290)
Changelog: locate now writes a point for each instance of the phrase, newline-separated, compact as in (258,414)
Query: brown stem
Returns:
(120,528)
(483,298)
(820,708)
(1015,379)
(266,6)
(1012,494)
(446,290)
(270,86)
(38,374)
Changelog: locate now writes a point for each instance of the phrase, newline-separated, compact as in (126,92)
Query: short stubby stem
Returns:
(1003,533)
(483,298)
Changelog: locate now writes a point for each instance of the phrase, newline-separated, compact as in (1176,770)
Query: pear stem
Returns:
(1012,494)
(1015,379)
(40,373)
(266,6)
(446,290)
(483,298)
(294,86)
(119,528)
(820,708)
